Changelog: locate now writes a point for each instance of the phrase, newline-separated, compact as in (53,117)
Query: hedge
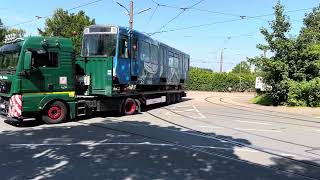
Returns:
(306,93)
(204,80)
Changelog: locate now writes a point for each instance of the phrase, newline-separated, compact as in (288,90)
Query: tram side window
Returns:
(123,47)
(171,59)
(176,60)
(162,55)
(154,54)
(186,63)
(134,48)
(145,51)
(42,58)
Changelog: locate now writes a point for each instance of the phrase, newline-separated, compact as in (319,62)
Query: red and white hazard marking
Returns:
(15,106)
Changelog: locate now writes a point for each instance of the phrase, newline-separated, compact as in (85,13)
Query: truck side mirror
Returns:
(27,60)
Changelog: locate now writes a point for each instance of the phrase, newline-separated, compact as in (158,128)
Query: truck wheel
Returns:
(55,113)
(129,106)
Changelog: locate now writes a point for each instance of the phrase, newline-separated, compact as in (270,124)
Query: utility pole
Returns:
(131,15)
(221,61)
(130,12)
(240,74)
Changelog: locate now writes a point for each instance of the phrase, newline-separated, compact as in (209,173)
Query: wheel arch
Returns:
(47,101)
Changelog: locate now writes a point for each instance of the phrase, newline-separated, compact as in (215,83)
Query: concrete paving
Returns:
(207,136)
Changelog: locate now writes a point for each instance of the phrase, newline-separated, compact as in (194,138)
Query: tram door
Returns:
(134,59)
(124,60)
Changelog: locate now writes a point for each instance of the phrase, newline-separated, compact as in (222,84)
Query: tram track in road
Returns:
(241,131)
(256,119)
(260,113)
(257,148)
(264,110)
(188,147)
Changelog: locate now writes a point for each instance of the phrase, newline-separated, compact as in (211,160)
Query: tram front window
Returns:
(99,45)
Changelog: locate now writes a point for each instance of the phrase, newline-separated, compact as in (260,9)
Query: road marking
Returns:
(253,122)
(199,113)
(143,143)
(262,130)
(226,148)
(181,106)
(289,155)
(180,111)
(212,127)
(88,144)
(194,110)
(169,113)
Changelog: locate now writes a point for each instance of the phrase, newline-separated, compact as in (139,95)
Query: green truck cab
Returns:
(37,78)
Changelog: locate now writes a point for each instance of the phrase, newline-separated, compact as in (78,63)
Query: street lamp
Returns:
(221,60)
(240,80)
(143,10)
(223,48)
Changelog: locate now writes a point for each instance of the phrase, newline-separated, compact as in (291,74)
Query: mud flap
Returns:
(138,106)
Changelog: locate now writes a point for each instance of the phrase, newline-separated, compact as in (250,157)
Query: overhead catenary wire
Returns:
(197,9)
(222,22)
(153,13)
(179,14)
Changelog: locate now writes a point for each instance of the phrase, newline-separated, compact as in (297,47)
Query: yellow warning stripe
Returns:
(70,93)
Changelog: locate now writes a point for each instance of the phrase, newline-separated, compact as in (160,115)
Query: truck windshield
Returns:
(99,45)
(9,55)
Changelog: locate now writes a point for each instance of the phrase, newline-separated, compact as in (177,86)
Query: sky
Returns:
(204,30)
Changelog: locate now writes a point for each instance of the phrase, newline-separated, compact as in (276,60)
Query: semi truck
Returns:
(118,70)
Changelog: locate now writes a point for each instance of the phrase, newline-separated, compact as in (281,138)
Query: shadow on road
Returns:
(96,151)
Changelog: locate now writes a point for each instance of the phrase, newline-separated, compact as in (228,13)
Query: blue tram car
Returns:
(138,61)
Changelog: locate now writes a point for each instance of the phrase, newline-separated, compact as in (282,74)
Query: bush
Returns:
(262,99)
(306,93)
(203,80)
(279,92)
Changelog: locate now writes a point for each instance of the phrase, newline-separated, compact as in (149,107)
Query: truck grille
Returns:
(5,87)
(4,106)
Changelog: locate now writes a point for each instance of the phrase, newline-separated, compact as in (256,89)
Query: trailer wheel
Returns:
(168,99)
(55,113)
(129,106)
(178,98)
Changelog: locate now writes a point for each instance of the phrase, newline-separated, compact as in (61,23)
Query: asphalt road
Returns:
(207,136)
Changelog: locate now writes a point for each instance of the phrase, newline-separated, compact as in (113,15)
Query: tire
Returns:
(129,106)
(168,99)
(55,113)
(174,98)
(178,98)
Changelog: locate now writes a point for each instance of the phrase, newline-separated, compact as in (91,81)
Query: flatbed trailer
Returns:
(126,104)
(119,70)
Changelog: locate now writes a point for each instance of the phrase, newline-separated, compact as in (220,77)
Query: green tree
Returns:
(310,32)
(243,67)
(18,32)
(276,69)
(308,43)
(2,32)
(68,25)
